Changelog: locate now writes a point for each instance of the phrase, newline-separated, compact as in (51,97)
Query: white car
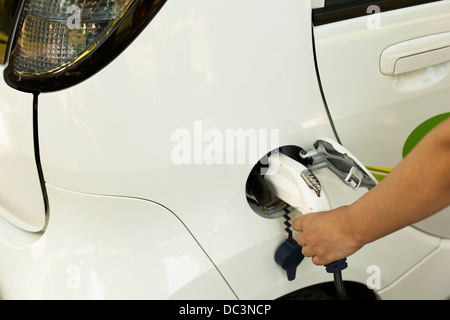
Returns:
(132,133)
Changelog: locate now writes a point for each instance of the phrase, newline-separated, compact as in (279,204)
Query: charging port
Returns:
(260,197)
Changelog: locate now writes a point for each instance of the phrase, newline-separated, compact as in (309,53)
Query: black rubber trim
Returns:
(333,12)
(322,92)
(37,156)
(131,25)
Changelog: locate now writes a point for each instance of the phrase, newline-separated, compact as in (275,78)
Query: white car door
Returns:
(384,69)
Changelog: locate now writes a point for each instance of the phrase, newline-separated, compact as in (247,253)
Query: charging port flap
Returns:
(329,153)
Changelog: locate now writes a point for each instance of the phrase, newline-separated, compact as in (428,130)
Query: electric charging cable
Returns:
(336,268)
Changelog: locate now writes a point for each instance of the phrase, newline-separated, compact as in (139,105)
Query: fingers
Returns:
(307,251)
(308,240)
(297,224)
(302,240)
(317,259)
(300,224)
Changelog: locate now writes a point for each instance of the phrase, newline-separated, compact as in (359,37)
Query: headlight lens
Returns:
(58,43)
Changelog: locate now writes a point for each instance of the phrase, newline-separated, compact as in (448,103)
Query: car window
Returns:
(338,10)
(335,2)
(7,12)
(329,3)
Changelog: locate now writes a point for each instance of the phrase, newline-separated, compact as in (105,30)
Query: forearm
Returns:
(417,188)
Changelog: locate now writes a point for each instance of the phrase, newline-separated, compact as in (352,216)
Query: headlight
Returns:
(58,43)
(49,40)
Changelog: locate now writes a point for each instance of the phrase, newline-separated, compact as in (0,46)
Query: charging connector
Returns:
(295,184)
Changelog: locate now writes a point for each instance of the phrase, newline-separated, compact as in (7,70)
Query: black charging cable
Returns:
(336,268)
(339,284)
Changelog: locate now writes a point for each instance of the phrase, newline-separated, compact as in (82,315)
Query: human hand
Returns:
(327,236)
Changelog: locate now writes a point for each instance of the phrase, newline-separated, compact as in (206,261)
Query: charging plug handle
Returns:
(336,266)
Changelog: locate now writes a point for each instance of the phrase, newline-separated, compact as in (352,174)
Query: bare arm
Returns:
(417,188)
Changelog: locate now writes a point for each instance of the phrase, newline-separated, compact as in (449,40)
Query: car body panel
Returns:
(429,279)
(98,247)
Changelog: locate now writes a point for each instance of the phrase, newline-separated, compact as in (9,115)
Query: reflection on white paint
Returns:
(180,271)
